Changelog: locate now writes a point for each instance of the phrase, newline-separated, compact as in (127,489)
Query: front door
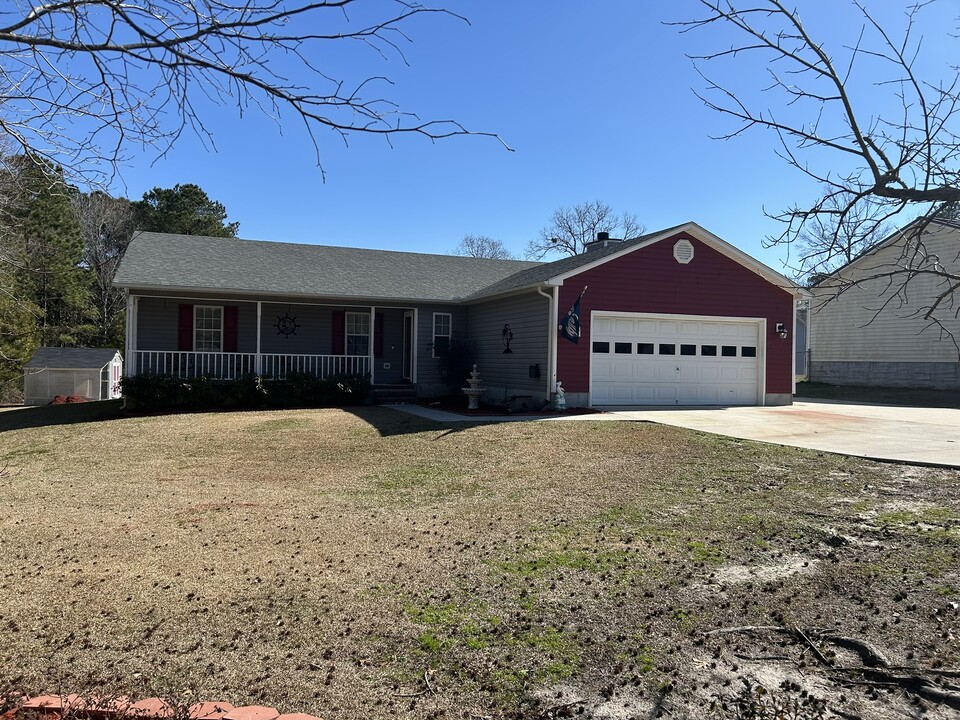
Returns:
(408,345)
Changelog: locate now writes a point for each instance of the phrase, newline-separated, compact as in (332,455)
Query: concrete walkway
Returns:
(925,436)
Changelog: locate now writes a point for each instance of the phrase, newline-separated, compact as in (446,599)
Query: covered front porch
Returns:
(189,337)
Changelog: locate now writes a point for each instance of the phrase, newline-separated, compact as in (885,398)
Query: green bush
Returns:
(457,363)
(153,393)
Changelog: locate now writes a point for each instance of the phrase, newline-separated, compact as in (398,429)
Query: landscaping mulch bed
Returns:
(458,405)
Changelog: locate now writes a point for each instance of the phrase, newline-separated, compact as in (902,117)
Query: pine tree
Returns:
(46,238)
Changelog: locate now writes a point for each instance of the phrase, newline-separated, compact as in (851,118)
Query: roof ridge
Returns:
(287,243)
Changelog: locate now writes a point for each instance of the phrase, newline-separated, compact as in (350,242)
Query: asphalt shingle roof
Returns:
(185,261)
(157,260)
(542,272)
(71,358)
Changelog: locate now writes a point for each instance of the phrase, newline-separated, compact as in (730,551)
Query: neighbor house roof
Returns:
(165,261)
(921,223)
(71,358)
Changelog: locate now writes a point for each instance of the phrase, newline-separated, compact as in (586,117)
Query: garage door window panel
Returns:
(748,351)
(728,351)
(708,350)
(623,348)
(688,350)
(667,349)
(601,347)
(644,348)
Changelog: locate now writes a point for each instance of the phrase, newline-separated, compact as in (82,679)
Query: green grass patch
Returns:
(436,476)
(25,452)
(279,425)
(702,552)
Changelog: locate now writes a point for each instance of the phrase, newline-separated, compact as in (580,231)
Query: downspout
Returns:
(551,340)
(128,333)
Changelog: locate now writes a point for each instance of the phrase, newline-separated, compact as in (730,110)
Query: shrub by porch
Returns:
(151,393)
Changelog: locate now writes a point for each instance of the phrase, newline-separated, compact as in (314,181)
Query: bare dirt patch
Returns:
(373,564)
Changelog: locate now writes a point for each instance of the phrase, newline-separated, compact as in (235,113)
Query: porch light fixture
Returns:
(782,331)
(506,338)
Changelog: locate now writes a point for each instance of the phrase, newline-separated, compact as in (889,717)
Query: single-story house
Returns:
(91,373)
(868,318)
(674,317)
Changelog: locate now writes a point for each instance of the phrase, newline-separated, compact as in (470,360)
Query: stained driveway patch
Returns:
(916,435)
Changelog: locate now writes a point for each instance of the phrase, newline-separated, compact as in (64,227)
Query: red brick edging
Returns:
(54,707)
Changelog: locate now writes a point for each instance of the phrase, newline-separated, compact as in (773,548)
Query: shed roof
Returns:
(71,358)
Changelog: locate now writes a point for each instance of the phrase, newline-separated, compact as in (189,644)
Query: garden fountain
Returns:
(474,392)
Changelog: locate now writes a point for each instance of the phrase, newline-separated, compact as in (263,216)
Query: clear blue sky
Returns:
(594,97)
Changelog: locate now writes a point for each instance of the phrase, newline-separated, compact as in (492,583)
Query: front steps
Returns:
(394,394)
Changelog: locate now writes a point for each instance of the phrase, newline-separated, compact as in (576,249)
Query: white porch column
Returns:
(131,335)
(256,361)
(414,353)
(373,334)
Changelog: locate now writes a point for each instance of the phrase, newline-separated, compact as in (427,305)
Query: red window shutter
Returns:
(185,328)
(378,335)
(231,325)
(338,338)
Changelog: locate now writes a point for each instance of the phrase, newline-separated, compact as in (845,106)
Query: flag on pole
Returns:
(570,325)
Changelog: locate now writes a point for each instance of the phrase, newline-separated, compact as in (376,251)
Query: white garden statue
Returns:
(561,401)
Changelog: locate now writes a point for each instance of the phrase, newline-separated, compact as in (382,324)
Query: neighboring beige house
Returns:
(878,320)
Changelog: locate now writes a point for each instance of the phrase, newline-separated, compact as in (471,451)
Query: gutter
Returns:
(551,339)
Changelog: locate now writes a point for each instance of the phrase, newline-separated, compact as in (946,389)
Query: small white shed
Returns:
(93,373)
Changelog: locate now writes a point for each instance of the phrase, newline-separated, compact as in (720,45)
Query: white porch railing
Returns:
(321,366)
(229,366)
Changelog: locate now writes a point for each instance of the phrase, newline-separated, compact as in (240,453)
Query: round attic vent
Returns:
(683,251)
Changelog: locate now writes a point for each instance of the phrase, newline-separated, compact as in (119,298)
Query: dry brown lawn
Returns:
(370,564)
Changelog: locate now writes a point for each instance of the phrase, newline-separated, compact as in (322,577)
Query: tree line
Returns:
(59,251)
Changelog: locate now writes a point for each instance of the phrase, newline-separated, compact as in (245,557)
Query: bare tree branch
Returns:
(84,84)
(572,228)
(480,246)
(830,108)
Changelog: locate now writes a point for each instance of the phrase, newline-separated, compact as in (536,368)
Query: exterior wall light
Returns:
(782,331)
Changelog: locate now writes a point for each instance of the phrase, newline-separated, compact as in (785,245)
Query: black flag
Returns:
(570,325)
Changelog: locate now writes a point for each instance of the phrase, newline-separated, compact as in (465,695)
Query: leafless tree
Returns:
(830,241)
(106,226)
(571,228)
(861,119)
(480,246)
(86,83)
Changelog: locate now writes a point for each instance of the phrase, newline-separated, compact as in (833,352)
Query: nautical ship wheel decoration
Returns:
(287,325)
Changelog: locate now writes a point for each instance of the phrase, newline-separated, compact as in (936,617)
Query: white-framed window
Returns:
(442,327)
(208,328)
(358,333)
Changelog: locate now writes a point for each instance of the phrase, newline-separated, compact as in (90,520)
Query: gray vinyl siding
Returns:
(158,323)
(430,381)
(313,334)
(869,323)
(506,374)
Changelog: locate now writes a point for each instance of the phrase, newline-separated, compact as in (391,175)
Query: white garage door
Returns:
(646,360)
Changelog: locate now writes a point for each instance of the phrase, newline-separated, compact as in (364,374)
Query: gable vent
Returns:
(683,251)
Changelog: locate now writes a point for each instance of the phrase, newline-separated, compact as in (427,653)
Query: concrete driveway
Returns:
(883,432)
